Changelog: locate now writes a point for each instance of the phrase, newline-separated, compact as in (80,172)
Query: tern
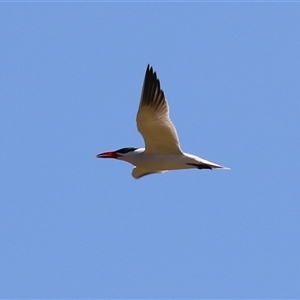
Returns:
(162,150)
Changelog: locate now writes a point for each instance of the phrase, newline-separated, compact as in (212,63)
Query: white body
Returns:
(162,161)
(148,163)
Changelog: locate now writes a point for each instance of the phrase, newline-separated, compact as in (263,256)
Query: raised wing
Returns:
(153,120)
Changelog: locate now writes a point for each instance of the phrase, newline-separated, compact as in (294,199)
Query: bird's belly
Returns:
(161,162)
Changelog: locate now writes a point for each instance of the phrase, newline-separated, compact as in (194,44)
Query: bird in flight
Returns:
(162,150)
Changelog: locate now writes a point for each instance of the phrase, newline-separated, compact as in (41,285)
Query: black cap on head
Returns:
(125,150)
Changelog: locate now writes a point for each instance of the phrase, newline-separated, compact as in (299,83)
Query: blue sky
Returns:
(73,226)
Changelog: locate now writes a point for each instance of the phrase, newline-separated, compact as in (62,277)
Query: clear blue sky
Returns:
(73,226)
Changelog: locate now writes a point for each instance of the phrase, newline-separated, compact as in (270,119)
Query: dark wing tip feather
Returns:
(152,94)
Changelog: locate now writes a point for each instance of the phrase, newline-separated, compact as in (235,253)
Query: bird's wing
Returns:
(153,120)
(139,172)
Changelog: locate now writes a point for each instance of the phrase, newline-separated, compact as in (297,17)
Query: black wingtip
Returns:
(150,70)
(152,95)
